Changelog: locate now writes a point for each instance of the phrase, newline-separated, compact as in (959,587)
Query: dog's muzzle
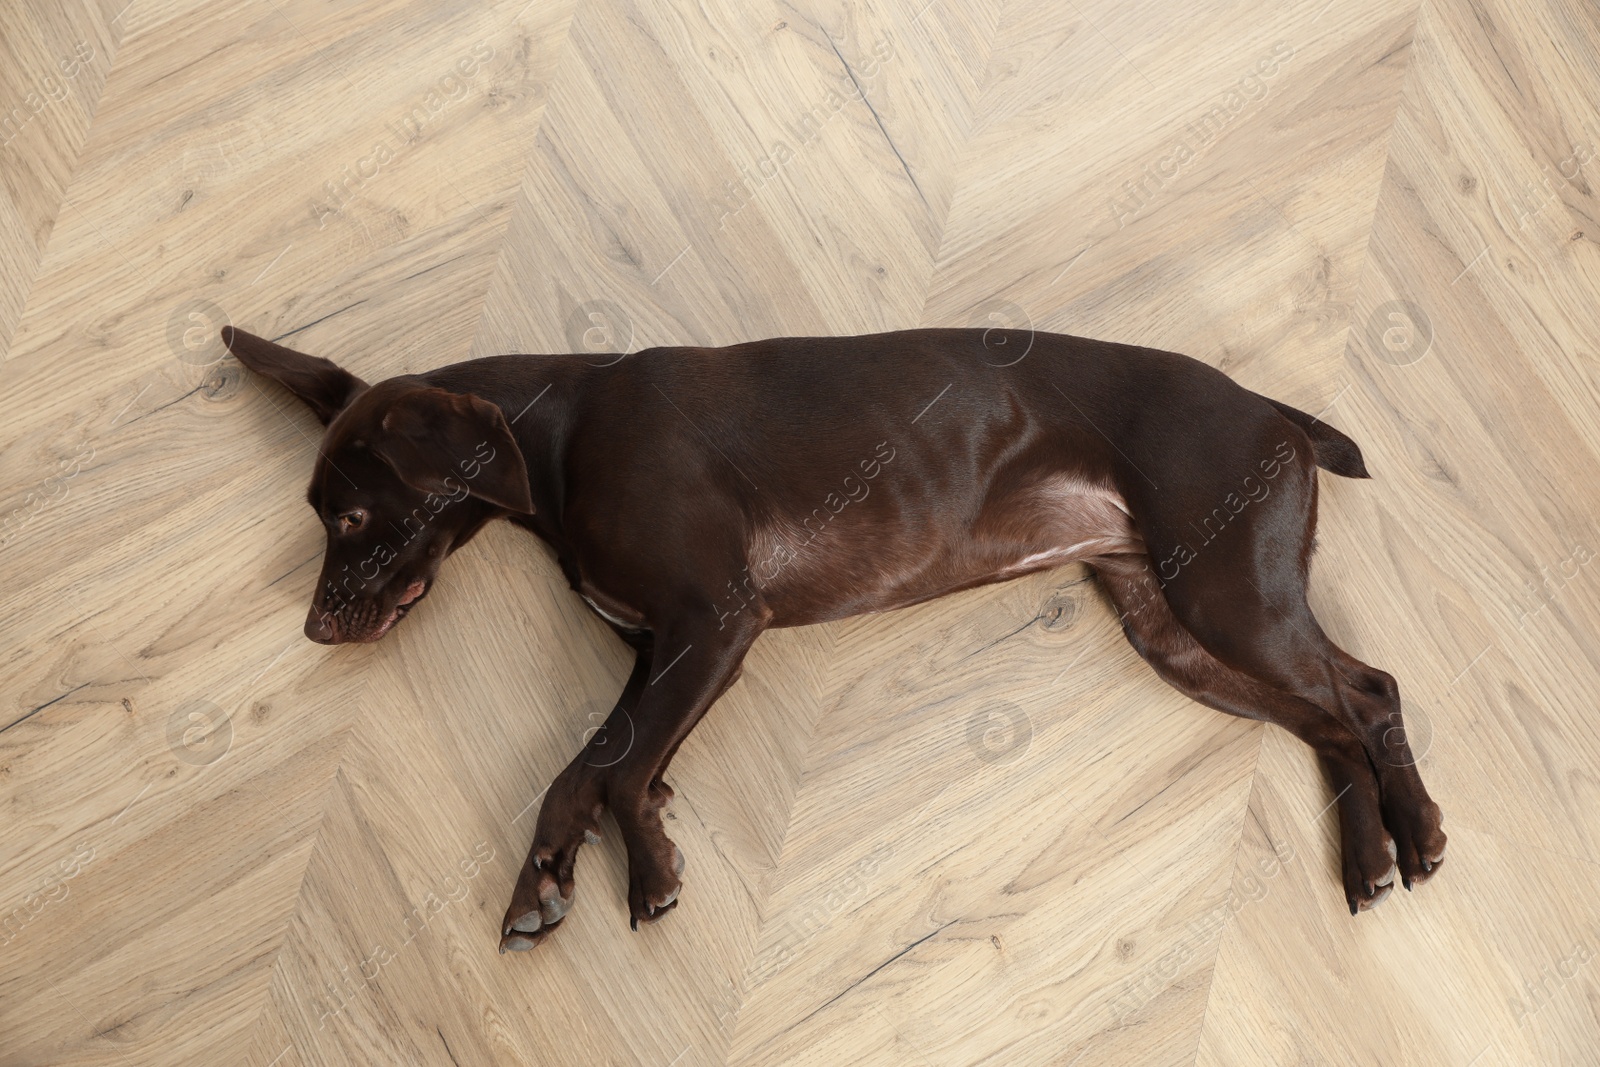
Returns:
(362,621)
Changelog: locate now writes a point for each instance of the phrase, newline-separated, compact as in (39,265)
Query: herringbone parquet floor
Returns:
(979,831)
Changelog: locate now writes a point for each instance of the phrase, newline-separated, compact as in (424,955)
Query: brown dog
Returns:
(696,496)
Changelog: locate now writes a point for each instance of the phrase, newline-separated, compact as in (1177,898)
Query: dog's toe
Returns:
(523,932)
(653,888)
(1385,881)
(541,899)
(1378,897)
(553,906)
(517,943)
(1369,874)
(1419,833)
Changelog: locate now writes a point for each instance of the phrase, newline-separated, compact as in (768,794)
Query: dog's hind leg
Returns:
(1368,860)
(1370,698)
(1241,593)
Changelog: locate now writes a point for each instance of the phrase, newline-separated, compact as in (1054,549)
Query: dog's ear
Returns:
(324,387)
(439,442)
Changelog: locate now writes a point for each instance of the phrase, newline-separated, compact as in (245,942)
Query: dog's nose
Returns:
(320,627)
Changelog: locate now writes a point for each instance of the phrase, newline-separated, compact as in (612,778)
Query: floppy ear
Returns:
(324,387)
(438,441)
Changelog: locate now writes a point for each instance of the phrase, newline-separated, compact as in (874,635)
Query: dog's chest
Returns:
(610,608)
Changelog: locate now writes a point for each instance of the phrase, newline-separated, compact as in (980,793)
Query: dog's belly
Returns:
(862,564)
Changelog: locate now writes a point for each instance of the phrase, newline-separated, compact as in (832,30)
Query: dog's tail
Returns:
(1333,450)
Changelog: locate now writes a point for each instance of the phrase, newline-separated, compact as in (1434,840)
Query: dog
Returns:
(695,497)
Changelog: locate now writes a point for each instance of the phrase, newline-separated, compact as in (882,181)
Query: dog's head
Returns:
(406,474)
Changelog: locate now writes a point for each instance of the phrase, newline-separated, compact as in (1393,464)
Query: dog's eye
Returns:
(352,520)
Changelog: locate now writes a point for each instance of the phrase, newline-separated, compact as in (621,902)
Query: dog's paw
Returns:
(542,897)
(534,912)
(1369,873)
(1367,852)
(1419,840)
(654,884)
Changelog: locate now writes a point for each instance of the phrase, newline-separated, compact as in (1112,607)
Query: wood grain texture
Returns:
(978,831)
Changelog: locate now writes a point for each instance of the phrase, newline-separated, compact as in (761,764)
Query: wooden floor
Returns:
(978,831)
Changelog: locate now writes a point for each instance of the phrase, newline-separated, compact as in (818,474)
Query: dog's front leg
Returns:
(688,665)
(696,659)
(568,819)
